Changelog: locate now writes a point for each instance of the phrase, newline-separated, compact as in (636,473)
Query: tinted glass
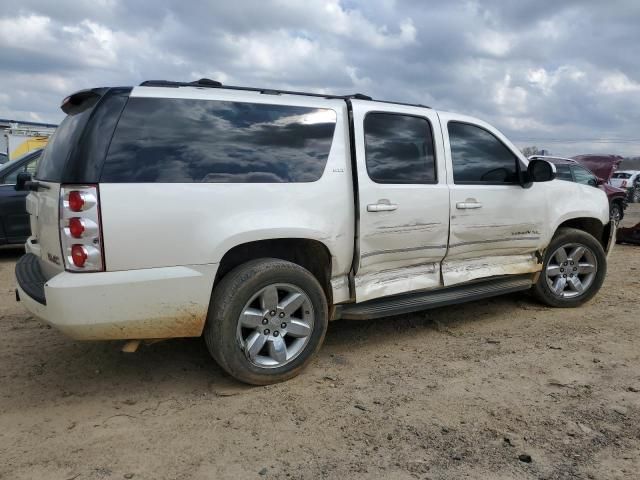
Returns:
(55,155)
(179,140)
(399,149)
(479,157)
(563,172)
(584,176)
(621,175)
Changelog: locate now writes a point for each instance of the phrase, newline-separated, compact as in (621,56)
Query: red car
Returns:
(594,170)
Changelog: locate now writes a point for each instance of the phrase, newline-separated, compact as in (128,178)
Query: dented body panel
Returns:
(399,250)
(466,270)
(163,242)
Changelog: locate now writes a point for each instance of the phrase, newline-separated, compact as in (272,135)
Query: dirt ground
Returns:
(459,392)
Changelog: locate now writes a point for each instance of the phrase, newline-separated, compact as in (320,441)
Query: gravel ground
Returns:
(501,388)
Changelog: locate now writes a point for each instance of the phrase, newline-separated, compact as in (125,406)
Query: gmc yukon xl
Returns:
(253,217)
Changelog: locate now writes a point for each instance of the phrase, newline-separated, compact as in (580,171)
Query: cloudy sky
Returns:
(563,75)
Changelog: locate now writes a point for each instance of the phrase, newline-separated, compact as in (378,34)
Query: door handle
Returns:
(469,204)
(381,207)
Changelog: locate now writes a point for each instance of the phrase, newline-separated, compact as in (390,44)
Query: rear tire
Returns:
(573,271)
(266,320)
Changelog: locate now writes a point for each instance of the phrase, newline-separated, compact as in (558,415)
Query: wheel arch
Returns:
(590,225)
(313,255)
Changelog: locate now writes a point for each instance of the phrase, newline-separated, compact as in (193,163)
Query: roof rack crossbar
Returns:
(205,82)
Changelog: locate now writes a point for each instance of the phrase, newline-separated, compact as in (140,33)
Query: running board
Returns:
(413,302)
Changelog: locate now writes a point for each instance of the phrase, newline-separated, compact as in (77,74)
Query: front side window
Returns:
(399,149)
(584,176)
(186,140)
(29,167)
(479,157)
(563,172)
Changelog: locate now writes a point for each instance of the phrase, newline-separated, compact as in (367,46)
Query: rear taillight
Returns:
(80,228)
(624,183)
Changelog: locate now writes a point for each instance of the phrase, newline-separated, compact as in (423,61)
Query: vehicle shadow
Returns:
(11,253)
(55,367)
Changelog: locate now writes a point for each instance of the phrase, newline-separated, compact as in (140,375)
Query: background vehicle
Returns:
(628,180)
(602,166)
(253,217)
(14,219)
(570,170)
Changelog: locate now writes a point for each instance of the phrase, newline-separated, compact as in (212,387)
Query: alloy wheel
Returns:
(571,270)
(275,325)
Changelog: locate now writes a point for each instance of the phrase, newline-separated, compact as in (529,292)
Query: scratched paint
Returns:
(465,270)
(390,281)
(402,229)
(340,289)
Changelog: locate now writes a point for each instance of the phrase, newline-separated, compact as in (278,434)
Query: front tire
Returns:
(266,320)
(573,271)
(616,212)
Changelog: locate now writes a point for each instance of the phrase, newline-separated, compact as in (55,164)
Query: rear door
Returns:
(403,199)
(496,224)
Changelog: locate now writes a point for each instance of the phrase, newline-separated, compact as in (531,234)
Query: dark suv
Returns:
(571,171)
(14,219)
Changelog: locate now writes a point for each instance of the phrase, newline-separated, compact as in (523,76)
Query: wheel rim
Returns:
(571,270)
(615,213)
(275,325)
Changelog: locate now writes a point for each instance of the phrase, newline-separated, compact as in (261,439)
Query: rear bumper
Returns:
(161,302)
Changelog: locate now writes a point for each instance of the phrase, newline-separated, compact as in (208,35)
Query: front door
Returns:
(403,199)
(496,225)
(13,210)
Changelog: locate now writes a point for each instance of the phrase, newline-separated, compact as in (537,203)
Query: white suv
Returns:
(253,217)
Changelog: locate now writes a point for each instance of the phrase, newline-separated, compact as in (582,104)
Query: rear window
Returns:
(185,140)
(622,175)
(55,155)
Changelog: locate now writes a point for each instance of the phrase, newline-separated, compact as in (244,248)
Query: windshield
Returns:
(621,175)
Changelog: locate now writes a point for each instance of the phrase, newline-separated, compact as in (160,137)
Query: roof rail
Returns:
(203,82)
(206,82)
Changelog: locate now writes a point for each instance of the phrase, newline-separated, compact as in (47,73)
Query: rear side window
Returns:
(399,149)
(479,157)
(185,140)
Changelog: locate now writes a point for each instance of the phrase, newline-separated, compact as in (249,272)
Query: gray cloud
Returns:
(560,75)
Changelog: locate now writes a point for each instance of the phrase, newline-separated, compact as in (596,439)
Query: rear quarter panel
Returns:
(147,225)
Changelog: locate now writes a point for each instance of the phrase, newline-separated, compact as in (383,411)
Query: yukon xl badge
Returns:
(53,258)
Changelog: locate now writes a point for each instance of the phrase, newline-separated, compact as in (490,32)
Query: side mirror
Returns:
(21,180)
(541,171)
